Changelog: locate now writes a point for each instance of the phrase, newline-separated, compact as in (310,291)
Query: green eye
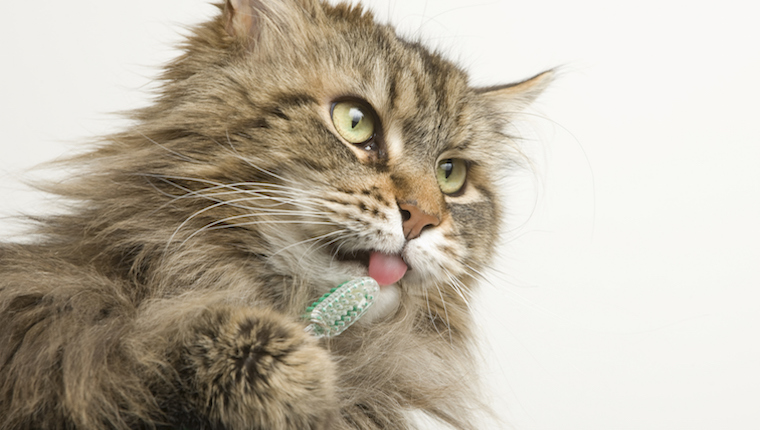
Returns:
(354,121)
(451,174)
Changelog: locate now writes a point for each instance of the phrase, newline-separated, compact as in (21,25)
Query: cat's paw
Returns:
(255,369)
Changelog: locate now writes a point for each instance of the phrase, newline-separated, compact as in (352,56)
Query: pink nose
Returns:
(415,220)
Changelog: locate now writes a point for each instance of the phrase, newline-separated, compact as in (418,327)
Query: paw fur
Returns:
(255,369)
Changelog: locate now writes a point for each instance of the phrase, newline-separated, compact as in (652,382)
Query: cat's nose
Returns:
(415,220)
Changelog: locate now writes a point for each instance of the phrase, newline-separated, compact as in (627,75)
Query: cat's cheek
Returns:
(432,257)
(386,303)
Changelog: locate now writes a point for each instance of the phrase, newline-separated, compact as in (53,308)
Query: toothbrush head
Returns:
(342,306)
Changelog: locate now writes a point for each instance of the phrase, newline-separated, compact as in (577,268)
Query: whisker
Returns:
(475,273)
(219,185)
(337,250)
(521,299)
(215,226)
(248,162)
(328,243)
(261,212)
(430,313)
(298,200)
(178,154)
(446,313)
(458,287)
(313,239)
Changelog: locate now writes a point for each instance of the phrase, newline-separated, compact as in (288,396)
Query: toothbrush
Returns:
(335,311)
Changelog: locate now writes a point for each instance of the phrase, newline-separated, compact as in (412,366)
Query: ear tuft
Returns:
(242,18)
(519,95)
(268,21)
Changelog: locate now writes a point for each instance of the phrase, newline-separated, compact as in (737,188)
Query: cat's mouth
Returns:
(386,269)
(361,257)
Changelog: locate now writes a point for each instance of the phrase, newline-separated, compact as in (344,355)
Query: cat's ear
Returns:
(249,20)
(517,96)
(242,18)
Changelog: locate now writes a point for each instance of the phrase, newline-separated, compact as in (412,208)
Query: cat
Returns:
(293,145)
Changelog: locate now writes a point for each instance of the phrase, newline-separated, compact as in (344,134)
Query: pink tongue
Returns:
(386,269)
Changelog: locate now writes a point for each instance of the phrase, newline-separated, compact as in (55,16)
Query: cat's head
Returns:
(332,148)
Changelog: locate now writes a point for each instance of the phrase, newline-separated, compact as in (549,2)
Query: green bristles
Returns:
(342,306)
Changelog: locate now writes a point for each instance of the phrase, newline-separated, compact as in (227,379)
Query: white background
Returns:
(626,295)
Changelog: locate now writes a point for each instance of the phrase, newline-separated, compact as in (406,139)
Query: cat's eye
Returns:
(451,174)
(354,121)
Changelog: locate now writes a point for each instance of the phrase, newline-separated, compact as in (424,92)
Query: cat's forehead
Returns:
(423,102)
(415,93)
(393,73)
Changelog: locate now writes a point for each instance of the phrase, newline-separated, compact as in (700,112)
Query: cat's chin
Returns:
(386,302)
(387,299)
(332,273)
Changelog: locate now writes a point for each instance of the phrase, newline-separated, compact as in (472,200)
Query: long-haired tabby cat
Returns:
(293,146)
